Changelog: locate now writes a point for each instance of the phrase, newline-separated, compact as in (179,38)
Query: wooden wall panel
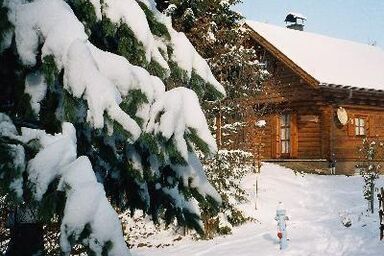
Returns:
(309,134)
(346,142)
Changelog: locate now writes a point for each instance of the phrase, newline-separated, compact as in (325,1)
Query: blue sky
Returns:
(356,20)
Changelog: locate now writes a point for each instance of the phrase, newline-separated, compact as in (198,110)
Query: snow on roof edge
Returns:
(328,60)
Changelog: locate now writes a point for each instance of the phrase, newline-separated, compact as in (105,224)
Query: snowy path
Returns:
(315,205)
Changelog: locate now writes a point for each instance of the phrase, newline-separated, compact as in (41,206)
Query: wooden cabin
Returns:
(324,97)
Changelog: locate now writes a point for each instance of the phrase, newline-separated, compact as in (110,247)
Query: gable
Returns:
(328,60)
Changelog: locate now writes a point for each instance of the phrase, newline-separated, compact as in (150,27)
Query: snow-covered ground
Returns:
(316,206)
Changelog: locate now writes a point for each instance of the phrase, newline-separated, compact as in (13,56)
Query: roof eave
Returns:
(353,88)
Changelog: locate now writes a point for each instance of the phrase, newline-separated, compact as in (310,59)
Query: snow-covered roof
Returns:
(328,60)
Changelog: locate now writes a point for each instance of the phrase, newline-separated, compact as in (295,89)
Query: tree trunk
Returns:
(26,233)
(26,240)
(372,203)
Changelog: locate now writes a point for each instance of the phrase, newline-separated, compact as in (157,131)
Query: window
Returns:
(285,133)
(360,124)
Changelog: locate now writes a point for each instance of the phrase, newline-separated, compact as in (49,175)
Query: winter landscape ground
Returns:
(316,206)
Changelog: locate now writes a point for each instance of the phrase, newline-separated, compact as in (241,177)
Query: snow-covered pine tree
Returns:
(219,36)
(99,110)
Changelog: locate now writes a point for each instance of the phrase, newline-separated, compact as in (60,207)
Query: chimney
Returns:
(295,21)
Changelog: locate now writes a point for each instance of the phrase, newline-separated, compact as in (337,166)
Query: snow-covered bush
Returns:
(100,112)
(369,169)
(225,172)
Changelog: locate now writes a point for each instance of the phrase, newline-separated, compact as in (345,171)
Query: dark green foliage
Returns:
(118,129)
(106,248)
(162,205)
(119,39)
(52,203)
(155,69)
(163,53)
(156,27)
(12,74)
(49,69)
(5,25)
(178,76)
(191,220)
(170,51)
(151,145)
(211,94)
(86,232)
(24,107)
(14,155)
(132,102)
(224,230)
(74,109)
(189,12)
(197,84)
(31,148)
(129,47)
(193,137)
(49,106)
(161,5)
(85,10)
(203,89)
(8,170)
(110,36)
(125,185)
(108,28)
(236,217)
(172,152)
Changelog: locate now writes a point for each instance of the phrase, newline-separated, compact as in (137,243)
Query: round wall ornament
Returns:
(342,115)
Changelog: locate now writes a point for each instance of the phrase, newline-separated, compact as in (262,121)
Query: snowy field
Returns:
(316,206)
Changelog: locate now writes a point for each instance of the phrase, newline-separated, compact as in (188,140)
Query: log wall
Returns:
(317,132)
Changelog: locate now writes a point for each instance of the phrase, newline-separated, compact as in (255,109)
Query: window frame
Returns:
(285,125)
(360,126)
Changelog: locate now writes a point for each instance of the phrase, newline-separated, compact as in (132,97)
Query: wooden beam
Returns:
(296,160)
(365,107)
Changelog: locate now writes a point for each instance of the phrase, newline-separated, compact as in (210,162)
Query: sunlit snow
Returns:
(316,205)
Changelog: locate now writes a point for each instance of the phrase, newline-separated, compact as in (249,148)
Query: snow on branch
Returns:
(174,114)
(127,77)
(86,205)
(58,151)
(193,176)
(14,159)
(99,77)
(184,54)
(189,60)
(83,77)
(130,13)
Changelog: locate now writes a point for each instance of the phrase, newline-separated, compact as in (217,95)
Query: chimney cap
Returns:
(293,17)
